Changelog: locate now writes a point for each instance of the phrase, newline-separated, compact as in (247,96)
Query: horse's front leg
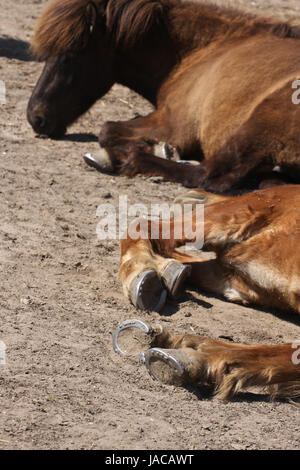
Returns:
(119,139)
(140,157)
(191,175)
(144,145)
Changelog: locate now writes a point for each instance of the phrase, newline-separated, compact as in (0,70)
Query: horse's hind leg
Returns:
(228,222)
(214,277)
(149,269)
(147,278)
(226,367)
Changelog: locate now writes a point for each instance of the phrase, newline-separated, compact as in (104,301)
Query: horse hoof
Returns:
(100,161)
(165,365)
(174,276)
(166,151)
(147,293)
(131,344)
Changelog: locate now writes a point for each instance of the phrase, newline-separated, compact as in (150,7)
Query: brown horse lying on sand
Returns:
(256,239)
(220,80)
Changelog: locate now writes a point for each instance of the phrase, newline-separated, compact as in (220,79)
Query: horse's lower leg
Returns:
(149,266)
(228,367)
(189,175)
(152,127)
(214,277)
(130,148)
(120,140)
(135,147)
(138,158)
(147,277)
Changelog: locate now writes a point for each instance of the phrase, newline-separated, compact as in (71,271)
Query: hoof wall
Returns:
(100,161)
(147,292)
(164,365)
(174,276)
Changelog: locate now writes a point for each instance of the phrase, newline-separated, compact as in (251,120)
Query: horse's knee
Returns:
(109,133)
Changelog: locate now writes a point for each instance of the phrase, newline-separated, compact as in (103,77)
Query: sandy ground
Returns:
(62,386)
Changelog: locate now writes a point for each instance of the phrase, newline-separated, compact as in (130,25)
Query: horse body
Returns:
(255,238)
(221,82)
(202,87)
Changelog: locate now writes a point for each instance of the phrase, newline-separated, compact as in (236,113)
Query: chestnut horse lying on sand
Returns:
(256,239)
(220,80)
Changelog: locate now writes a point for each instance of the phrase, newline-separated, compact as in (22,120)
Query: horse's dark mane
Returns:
(129,20)
(63,26)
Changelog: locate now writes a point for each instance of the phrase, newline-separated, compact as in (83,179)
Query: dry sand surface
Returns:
(63,387)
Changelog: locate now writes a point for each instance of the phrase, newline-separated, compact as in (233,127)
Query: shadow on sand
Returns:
(15,49)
